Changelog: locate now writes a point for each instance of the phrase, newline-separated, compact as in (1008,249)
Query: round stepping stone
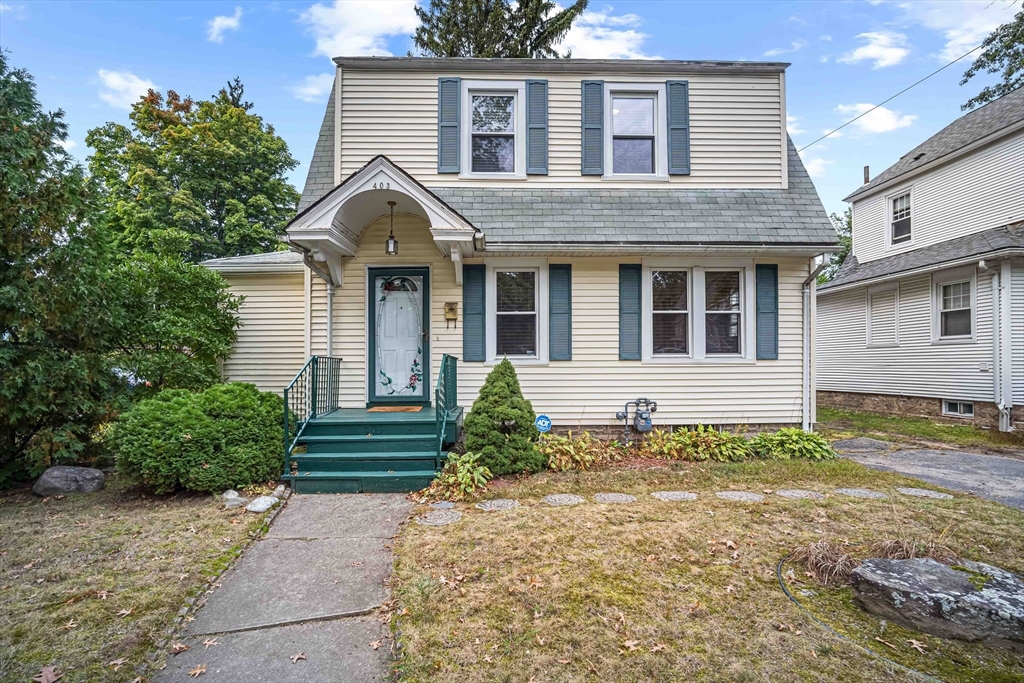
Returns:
(497,504)
(799,493)
(439,518)
(672,496)
(924,493)
(861,444)
(744,496)
(861,493)
(559,499)
(443,505)
(614,498)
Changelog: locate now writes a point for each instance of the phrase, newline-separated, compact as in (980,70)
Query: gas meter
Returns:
(642,409)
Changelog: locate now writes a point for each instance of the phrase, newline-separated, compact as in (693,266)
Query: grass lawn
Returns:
(89,580)
(843,424)
(654,591)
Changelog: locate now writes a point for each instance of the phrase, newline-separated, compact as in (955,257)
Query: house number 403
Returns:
(382,186)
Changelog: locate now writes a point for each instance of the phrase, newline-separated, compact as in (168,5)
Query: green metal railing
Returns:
(314,391)
(446,396)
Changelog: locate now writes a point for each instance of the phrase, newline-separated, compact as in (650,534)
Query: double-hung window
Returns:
(493,129)
(633,149)
(670,317)
(955,316)
(516,313)
(723,315)
(899,209)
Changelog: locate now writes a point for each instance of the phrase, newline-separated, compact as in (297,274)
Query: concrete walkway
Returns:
(988,476)
(311,587)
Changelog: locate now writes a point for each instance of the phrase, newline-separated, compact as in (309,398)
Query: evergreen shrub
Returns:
(500,425)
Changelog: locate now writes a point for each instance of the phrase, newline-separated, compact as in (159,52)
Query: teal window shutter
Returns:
(767,312)
(449,113)
(678,127)
(629,311)
(474,313)
(537,127)
(560,311)
(592,153)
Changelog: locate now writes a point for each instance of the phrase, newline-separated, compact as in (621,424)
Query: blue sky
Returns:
(92,59)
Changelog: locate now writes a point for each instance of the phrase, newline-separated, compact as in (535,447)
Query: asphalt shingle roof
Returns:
(979,124)
(980,243)
(273,258)
(320,177)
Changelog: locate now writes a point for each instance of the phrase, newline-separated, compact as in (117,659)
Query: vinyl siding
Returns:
(591,387)
(271,340)
(736,127)
(980,191)
(916,367)
(1017,330)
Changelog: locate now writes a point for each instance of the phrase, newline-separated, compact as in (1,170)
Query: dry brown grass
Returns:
(910,548)
(655,591)
(69,565)
(827,563)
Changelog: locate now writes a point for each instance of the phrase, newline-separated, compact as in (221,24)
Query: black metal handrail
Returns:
(446,396)
(316,390)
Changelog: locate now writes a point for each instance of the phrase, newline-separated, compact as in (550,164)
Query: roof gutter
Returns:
(628,249)
(631,66)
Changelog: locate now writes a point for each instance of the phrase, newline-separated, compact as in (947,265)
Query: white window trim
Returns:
(889,244)
(539,266)
(962,416)
(697,303)
(470,88)
(947,277)
(882,289)
(660,130)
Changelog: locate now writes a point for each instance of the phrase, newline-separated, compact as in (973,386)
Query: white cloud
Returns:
(121,89)
(825,39)
(313,88)
(17,10)
(216,27)
(603,35)
(68,144)
(963,23)
(823,59)
(358,27)
(795,46)
(881,120)
(816,166)
(793,125)
(884,48)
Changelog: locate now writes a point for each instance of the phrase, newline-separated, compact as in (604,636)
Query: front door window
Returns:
(399,336)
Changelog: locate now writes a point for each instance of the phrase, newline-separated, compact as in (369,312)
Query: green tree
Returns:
(493,28)
(1003,51)
(844,228)
(195,179)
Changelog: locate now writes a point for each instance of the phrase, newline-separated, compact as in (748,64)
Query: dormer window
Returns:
(900,223)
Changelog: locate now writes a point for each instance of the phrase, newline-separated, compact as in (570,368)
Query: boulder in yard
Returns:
(969,601)
(262,504)
(62,479)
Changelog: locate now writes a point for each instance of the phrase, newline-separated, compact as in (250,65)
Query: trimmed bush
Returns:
(500,425)
(227,436)
(791,442)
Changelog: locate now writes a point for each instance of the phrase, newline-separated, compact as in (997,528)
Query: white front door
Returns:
(398,365)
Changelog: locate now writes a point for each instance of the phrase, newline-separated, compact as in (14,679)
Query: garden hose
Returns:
(819,622)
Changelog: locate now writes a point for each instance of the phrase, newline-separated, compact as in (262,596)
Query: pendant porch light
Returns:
(391,245)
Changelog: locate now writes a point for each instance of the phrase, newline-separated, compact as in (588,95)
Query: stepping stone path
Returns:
(799,493)
(861,493)
(559,499)
(439,518)
(614,498)
(443,505)
(497,504)
(924,493)
(861,443)
(673,496)
(743,496)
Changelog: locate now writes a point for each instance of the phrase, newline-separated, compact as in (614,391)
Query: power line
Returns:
(890,99)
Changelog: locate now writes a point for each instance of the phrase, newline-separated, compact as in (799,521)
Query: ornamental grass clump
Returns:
(228,436)
(500,425)
(791,443)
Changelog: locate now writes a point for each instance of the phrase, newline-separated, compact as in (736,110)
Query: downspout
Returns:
(307,258)
(1005,349)
(806,289)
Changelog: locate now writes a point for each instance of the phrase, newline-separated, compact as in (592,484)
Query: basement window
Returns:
(958,408)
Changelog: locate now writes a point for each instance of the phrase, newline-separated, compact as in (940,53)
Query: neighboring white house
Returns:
(926,316)
(617,229)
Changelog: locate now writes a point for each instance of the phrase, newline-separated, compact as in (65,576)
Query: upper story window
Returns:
(493,143)
(900,218)
(633,134)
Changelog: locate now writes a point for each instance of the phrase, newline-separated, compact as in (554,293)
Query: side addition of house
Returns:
(926,316)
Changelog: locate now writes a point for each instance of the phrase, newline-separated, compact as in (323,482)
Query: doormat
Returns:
(395,409)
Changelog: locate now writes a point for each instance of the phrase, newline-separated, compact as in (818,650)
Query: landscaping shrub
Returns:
(791,442)
(227,436)
(462,477)
(700,443)
(500,425)
(579,452)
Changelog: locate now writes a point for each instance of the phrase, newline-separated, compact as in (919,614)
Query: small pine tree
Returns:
(501,426)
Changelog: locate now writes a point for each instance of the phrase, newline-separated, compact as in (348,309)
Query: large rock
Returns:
(63,479)
(970,601)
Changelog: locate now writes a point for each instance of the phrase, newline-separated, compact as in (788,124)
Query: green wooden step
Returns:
(348,443)
(361,482)
(368,462)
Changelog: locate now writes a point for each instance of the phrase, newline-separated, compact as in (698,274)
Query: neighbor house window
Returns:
(955,315)
(633,148)
(670,315)
(516,313)
(722,312)
(958,408)
(493,133)
(900,208)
